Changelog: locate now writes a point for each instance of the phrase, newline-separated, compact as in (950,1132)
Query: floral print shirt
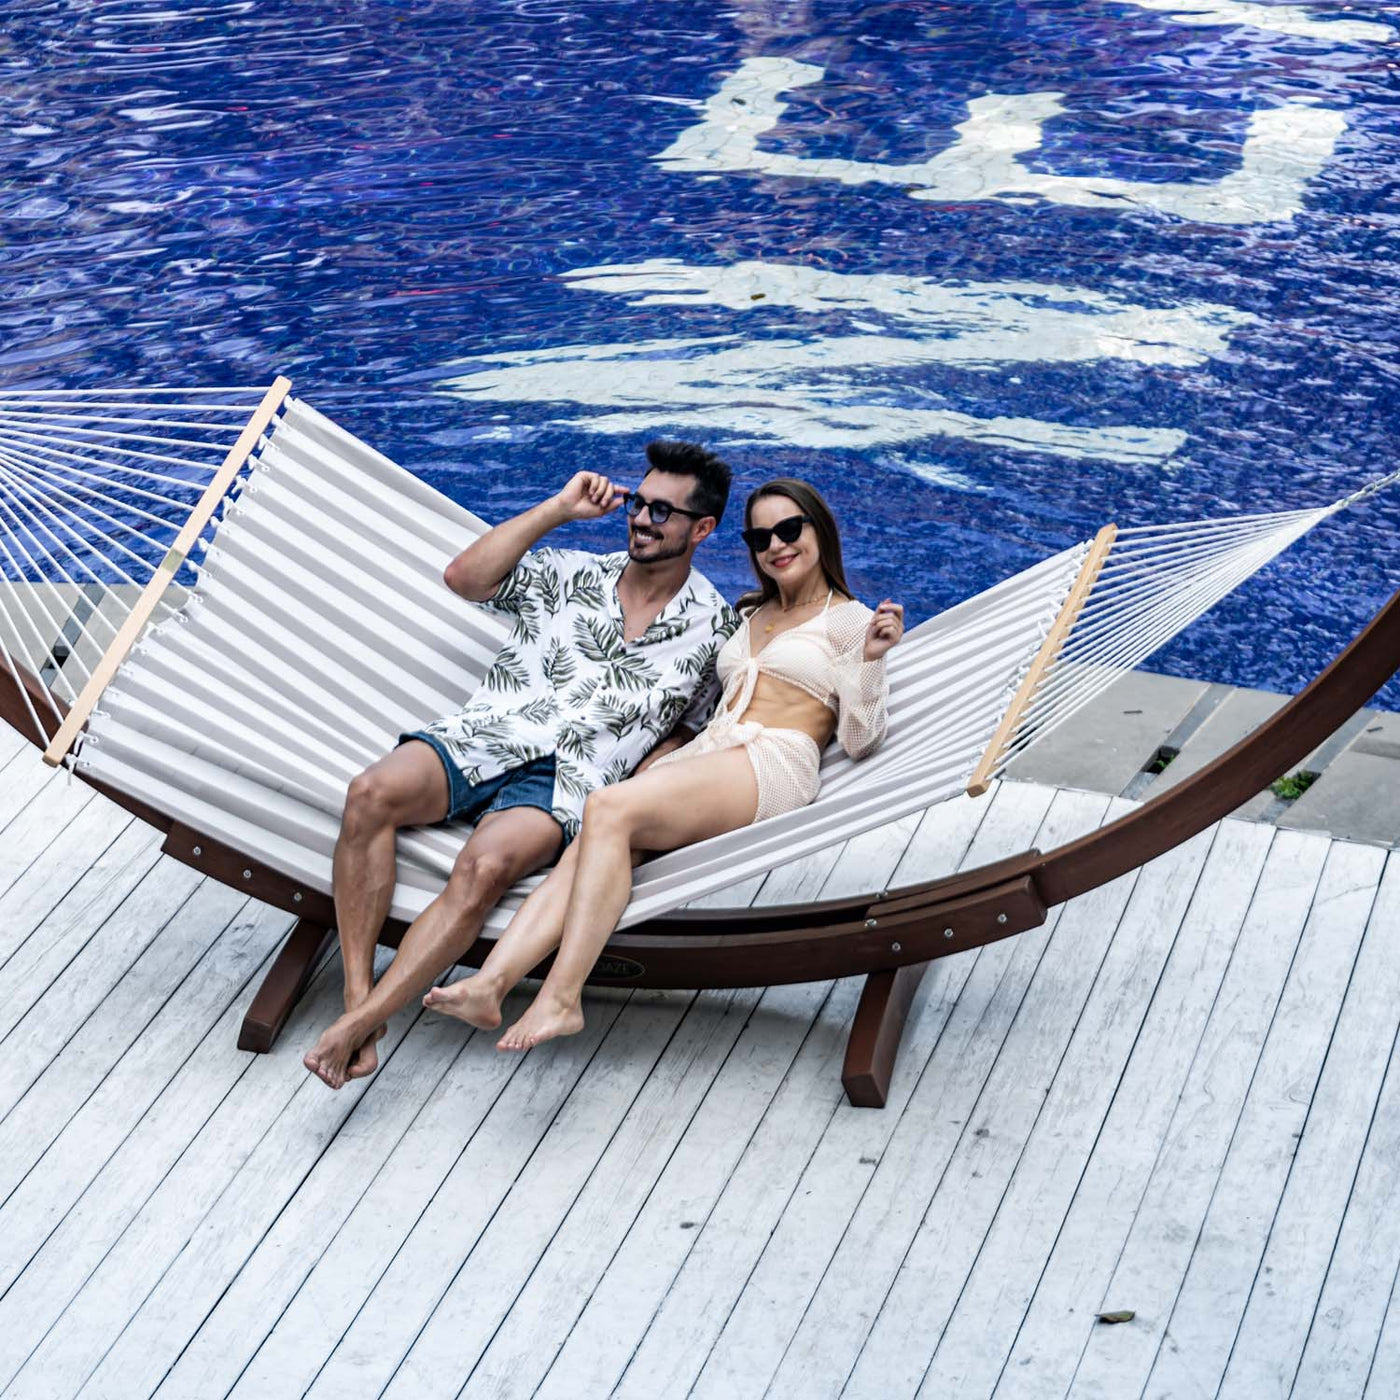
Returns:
(567,684)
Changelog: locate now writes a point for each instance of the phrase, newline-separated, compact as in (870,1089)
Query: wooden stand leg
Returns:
(282,987)
(875,1033)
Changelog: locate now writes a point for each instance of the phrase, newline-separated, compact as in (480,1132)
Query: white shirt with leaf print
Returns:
(566,683)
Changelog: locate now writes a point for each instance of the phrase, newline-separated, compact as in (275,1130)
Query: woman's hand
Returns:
(587,496)
(886,628)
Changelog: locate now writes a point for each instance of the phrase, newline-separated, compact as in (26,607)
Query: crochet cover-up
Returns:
(821,656)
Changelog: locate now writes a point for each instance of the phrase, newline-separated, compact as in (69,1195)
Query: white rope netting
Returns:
(94,487)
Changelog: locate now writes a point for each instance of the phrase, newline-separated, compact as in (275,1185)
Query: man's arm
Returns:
(677,738)
(480,569)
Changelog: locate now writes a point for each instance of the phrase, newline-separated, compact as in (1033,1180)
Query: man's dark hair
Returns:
(710,494)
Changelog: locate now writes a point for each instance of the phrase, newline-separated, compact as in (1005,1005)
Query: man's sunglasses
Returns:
(759,538)
(660,511)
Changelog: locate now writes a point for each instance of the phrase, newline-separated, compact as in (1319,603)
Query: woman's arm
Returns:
(861,685)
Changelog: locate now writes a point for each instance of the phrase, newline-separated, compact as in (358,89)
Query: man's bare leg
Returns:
(404,788)
(682,803)
(504,847)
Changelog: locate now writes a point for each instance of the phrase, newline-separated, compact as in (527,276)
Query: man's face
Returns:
(651,543)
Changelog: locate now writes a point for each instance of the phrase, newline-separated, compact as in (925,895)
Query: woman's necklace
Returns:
(769,626)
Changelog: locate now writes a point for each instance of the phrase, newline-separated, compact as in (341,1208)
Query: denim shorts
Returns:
(531,785)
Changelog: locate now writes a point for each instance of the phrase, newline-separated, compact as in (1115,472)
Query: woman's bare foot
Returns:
(329,1058)
(365,1060)
(475,1000)
(545,1018)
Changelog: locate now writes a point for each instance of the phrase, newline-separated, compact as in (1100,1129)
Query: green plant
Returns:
(1294,786)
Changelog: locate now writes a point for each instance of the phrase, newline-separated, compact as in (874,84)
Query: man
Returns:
(609,665)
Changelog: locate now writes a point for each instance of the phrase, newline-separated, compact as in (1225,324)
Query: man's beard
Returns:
(662,553)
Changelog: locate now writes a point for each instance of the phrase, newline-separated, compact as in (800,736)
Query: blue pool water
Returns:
(989,273)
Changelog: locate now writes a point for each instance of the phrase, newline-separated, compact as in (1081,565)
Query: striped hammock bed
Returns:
(248,613)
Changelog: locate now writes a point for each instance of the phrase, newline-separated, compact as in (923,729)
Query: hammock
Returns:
(240,694)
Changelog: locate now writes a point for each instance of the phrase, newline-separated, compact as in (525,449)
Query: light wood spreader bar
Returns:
(154,590)
(1045,658)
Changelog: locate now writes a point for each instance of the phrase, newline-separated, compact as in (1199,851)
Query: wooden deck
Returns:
(1179,1098)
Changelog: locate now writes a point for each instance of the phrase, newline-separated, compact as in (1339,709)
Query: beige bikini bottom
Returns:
(786,762)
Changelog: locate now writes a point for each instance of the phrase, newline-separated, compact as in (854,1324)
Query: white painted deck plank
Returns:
(704,1291)
(540,1315)
(521,1352)
(617,1315)
(114,1108)
(30,821)
(391,1315)
(1351,1310)
(73,1035)
(1282,1304)
(792,1264)
(618,1310)
(97,1219)
(979,1003)
(931,1277)
(328,1296)
(172,1214)
(1205,1319)
(1383,1382)
(353,1159)
(49,879)
(1080,1262)
(68,917)
(983,1329)
(1116,1360)
(679,1201)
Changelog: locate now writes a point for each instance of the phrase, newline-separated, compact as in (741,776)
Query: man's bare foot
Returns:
(329,1058)
(474,1000)
(545,1018)
(365,1060)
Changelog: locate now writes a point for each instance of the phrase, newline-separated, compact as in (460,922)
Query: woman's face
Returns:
(795,567)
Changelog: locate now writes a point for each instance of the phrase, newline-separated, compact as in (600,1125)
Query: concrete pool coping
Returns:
(1147,721)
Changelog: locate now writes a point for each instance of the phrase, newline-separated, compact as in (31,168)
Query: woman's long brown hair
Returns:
(808,501)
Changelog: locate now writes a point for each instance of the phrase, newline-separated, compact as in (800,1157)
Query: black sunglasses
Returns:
(660,511)
(758,538)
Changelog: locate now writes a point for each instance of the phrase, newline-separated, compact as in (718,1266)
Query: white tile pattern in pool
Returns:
(1285,147)
(1296,20)
(830,390)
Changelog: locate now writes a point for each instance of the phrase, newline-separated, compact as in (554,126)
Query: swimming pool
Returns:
(988,273)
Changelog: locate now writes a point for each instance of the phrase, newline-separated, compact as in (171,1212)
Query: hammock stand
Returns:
(888,938)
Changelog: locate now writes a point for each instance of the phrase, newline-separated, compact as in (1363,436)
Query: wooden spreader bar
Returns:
(888,938)
(1044,659)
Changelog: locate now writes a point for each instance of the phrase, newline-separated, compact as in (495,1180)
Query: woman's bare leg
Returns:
(681,803)
(532,936)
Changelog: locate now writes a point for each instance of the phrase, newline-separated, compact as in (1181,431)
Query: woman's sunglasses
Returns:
(660,511)
(759,538)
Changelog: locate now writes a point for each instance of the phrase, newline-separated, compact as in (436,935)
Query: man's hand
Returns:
(677,738)
(587,496)
(886,628)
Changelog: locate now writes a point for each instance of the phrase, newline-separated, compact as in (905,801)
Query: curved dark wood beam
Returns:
(837,938)
(1275,748)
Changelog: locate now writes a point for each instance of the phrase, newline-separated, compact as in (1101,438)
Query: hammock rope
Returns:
(258,690)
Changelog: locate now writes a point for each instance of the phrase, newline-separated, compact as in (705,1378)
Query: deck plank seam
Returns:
(1244,1103)
(1052,923)
(1108,1108)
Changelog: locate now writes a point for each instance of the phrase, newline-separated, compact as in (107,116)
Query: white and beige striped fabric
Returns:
(317,629)
(320,629)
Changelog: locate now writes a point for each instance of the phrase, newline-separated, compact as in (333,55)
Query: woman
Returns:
(807,662)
